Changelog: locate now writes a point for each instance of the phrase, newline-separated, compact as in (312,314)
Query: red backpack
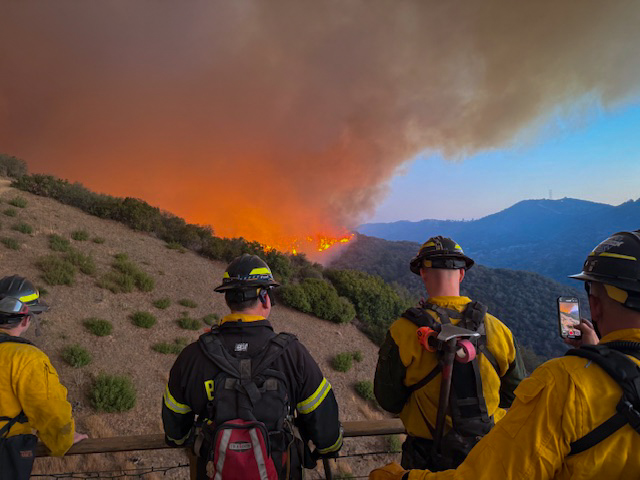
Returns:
(248,433)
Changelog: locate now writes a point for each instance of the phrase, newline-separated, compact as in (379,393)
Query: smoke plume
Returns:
(286,118)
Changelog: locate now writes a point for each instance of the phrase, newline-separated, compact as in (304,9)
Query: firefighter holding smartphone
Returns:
(577,416)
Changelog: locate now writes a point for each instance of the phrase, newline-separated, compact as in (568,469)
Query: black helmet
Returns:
(245,272)
(22,289)
(12,310)
(440,252)
(616,263)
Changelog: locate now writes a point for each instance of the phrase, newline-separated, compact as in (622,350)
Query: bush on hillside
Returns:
(376,303)
(112,393)
(58,243)
(188,323)
(84,262)
(76,356)
(364,388)
(126,276)
(175,246)
(80,235)
(98,326)
(211,319)
(23,228)
(19,202)
(174,348)
(143,319)
(162,303)
(187,302)
(56,270)
(98,240)
(318,297)
(342,362)
(11,166)
(357,356)
(10,212)
(10,243)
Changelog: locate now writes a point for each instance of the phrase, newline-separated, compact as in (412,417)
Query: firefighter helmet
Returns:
(440,252)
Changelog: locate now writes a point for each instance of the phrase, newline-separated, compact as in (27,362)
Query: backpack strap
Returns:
(473,319)
(626,373)
(13,339)
(214,350)
(276,347)
(20,418)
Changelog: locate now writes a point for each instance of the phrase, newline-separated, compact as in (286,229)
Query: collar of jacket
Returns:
(449,301)
(241,317)
(628,334)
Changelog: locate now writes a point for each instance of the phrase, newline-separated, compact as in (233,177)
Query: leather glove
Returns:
(393,471)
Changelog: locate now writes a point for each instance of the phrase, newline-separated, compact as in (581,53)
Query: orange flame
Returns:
(317,243)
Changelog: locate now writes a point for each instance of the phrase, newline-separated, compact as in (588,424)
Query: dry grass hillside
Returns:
(127,350)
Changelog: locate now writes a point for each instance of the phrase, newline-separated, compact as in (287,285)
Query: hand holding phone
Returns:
(569,317)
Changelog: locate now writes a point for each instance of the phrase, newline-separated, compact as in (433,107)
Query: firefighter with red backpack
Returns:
(250,399)
(447,367)
(577,416)
(31,396)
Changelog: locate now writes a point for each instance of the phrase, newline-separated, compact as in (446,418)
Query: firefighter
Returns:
(31,396)
(197,383)
(577,416)
(408,378)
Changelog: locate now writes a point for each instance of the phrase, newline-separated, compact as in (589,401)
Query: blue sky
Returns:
(592,156)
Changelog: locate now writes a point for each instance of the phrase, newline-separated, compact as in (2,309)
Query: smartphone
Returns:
(569,317)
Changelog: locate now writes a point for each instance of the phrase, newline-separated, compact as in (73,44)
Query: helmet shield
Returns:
(23,290)
(12,310)
(440,252)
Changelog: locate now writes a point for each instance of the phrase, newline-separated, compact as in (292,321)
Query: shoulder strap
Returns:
(276,347)
(20,418)
(214,350)
(13,339)
(473,319)
(626,374)
(420,318)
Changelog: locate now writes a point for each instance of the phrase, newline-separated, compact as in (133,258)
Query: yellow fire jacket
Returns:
(563,400)
(29,382)
(403,362)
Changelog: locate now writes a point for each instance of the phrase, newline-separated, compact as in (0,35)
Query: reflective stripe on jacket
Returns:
(403,362)
(29,382)
(562,400)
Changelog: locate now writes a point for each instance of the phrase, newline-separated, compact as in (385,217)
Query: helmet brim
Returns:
(416,262)
(624,284)
(225,287)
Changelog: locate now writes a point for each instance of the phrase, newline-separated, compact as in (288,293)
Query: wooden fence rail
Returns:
(155,441)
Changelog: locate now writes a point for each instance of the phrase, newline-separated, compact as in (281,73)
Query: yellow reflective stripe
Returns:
(315,399)
(226,275)
(181,441)
(29,298)
(616,293)
(260,271)
(174,405)
(429,244)
(427,263)
(334,447)
(617,255)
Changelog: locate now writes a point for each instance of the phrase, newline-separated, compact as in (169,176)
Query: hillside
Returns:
(524,301)
(178,274)
(549,237)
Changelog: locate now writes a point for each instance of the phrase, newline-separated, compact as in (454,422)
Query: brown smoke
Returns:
(285,118)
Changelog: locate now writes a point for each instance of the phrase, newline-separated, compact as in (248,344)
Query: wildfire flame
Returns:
(316,243)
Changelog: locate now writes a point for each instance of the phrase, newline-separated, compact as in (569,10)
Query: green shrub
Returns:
(84,262)
(211,319)
(23,228)
(10,243)
(188,323)
(344,476)
(98,326)
(175,246)
(175,348)
(112,393)
(98,240)
(143,319)
(80,235)
(357,356)
(58,243)
(342,362)
(19,202)
(317,296)
(376,303)
(162,303)
(57,270)
(43,291)
(76,356)
(11,166)
(394,443)
(186,302)
(125,276)
(10,212)
(364,388)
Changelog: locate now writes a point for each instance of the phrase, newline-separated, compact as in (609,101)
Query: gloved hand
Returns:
(393,471)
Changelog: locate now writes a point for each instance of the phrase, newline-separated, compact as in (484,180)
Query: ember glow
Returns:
(309,244)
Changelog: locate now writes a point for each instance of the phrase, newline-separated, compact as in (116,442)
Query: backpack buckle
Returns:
(626,408)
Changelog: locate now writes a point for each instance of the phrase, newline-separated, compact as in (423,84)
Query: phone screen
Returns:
(569,317)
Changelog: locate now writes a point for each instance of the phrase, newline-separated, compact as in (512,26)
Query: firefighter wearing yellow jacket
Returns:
(573,417)
(407,379)
(31,396)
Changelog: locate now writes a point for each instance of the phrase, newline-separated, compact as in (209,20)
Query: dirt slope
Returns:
(127,350)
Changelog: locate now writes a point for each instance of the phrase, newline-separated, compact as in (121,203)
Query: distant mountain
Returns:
(524,301)
(550,237)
